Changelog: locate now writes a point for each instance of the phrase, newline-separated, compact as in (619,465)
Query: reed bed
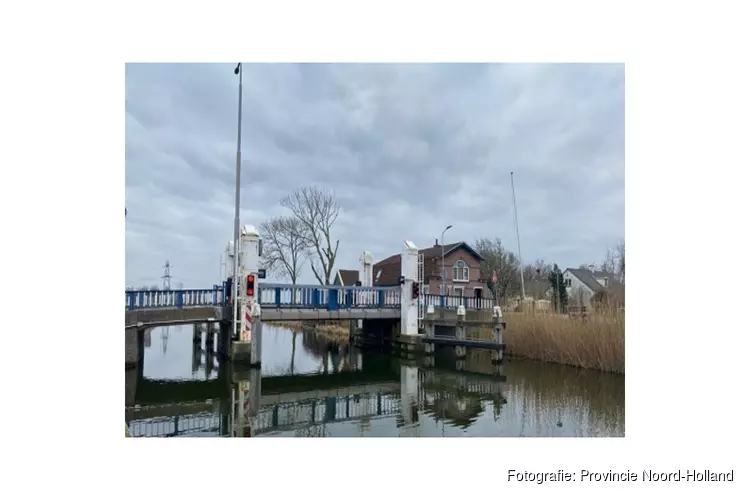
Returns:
(595,341)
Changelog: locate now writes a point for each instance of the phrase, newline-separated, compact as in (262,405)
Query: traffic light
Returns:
(414,290)
(250,285)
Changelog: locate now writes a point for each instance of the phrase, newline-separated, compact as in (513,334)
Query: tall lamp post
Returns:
(442,252)
(236,270)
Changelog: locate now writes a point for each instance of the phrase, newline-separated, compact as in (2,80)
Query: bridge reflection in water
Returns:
(312,387)
(350,387)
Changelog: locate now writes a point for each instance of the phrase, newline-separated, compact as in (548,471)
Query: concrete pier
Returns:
(460,350)
(223,344)
(248,352)
(134,347)
(209,337)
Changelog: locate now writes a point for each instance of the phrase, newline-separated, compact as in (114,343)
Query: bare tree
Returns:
(536,279)
(610,262)
(614,261)
(539,269)
(505,263)
(285,246)
(316,210)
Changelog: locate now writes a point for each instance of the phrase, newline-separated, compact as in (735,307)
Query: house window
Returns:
(458,291)
(460,271)
(567,282)
(606,282)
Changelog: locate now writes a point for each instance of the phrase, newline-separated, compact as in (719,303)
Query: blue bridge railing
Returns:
(331,298)
(152,299)
(284,296)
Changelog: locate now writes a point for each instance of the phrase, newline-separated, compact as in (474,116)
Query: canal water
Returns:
(359,394)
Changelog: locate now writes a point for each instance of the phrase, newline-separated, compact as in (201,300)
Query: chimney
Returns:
(436,242)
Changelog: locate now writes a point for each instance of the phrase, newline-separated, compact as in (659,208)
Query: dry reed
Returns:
(596,341)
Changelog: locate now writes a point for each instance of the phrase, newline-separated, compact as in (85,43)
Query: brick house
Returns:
(461,265)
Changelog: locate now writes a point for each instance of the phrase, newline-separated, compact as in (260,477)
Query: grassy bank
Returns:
(597,341)
(335,331)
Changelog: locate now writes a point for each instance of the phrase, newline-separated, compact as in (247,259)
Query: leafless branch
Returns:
(316,210)
(285,246)
(505,263)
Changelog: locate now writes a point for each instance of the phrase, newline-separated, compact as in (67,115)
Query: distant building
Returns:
(583,284)
(346,277)
(461,265)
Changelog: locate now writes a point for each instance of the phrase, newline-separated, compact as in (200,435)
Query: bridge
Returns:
(400,313)
(282,302)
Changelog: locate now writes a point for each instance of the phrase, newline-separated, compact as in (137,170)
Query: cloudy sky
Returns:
(407,148)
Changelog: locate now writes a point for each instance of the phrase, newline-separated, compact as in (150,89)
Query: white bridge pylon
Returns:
(409,304)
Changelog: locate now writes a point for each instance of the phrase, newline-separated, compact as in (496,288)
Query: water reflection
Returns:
(311,387)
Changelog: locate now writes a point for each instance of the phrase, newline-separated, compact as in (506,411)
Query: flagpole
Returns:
(235,274)
(518,238)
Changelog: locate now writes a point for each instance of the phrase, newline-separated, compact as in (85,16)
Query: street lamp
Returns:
(442,251)
(236,271)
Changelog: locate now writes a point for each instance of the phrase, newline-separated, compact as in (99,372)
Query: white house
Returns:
(582,284)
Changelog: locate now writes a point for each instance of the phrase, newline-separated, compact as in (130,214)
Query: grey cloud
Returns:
(407,148)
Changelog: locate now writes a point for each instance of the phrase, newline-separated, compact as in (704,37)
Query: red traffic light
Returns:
(250,285)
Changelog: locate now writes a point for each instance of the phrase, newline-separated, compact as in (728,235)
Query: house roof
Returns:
(588,278)
(348,277)
(388,270)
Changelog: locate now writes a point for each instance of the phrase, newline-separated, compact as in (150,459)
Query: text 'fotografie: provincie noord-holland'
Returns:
(687,475)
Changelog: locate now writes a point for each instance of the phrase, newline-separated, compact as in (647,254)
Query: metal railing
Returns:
(283,296)
(453,301)
(328,297)
(152,299)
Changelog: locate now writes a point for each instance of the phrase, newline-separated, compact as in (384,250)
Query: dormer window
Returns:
(606,282)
